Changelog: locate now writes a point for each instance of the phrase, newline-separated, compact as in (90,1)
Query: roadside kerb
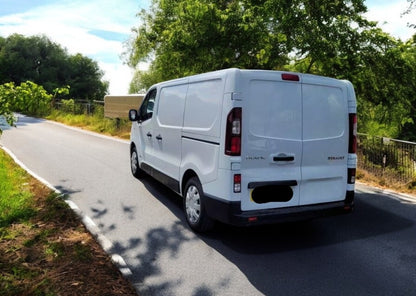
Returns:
(104,242)
(408,198)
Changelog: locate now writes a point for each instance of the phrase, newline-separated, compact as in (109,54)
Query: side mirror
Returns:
(133,115)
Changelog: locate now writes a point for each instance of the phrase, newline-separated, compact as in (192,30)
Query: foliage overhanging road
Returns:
(371,252)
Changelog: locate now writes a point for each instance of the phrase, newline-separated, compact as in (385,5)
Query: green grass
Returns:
(15,195)
(44,248)
(96,123)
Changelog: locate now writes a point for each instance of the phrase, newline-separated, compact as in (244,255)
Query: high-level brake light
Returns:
(290,77)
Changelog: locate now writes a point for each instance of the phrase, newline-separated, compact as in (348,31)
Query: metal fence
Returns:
(79,107)
(387,158)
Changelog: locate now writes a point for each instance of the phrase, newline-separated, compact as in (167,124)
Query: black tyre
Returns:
(193,203)
(134,164)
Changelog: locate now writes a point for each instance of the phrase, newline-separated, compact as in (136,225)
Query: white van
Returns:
(249,146)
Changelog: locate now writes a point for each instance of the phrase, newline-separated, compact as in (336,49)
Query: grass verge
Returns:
(385,183)
(96,123)
(15,197)
(44,248)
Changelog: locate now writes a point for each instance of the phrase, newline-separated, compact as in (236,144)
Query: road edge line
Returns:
(89,224)
(409,198)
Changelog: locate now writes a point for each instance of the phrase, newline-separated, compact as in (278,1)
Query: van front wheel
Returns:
(194,207)
(134,164)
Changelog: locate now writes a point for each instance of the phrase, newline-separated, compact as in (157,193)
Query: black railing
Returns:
(387,158)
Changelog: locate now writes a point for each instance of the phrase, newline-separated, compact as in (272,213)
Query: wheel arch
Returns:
(132,145)
(186,176)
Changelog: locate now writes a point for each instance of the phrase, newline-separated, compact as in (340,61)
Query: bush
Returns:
(68,106)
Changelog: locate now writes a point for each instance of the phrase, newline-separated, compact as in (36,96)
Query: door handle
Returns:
(149,135)
(283,157)
(159,137)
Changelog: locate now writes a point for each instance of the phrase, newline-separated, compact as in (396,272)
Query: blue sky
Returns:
(98,28)
(94,28)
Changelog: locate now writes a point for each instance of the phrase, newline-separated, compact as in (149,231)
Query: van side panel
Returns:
(201,128)
(201,158)
(166,135)
(203,109)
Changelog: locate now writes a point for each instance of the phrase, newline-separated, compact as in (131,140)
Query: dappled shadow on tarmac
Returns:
(23,120)
(159,241)
(147,249)
(317,257)
(156,243)
(367,221)
(66,191)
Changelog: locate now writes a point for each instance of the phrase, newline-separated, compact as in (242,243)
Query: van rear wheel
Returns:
(194,207)
(134,164)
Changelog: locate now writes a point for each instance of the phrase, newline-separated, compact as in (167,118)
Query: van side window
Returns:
(146,110)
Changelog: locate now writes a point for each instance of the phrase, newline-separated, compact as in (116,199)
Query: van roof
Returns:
(304,77)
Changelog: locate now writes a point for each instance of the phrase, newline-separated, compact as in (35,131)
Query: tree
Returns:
(28,97)
(187,37)
(46,63)
(331,38)
(137,84)
(6,92)
(321,35)
(84,77)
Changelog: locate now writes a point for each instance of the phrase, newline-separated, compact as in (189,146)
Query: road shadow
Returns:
(147,249)
(167,197)
(312,257)
(65,190)
(23,120)
(366,221)
(297,257)
(317,257)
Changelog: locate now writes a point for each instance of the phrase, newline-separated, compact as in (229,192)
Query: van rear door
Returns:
(295,140)
(325,140)
(272,141)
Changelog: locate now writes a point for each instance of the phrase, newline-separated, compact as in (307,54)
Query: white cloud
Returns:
(119,75)
(74,25)
(389,16)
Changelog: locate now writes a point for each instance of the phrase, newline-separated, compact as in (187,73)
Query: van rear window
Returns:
(275,109)
(324,112)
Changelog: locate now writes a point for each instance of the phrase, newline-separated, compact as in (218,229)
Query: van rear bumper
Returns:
(230,212)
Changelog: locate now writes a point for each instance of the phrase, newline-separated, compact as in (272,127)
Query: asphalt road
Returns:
(370,252)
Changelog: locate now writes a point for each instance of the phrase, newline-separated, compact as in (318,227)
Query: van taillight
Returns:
(352,147)
(351,176)
(237,183)
(233,133)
